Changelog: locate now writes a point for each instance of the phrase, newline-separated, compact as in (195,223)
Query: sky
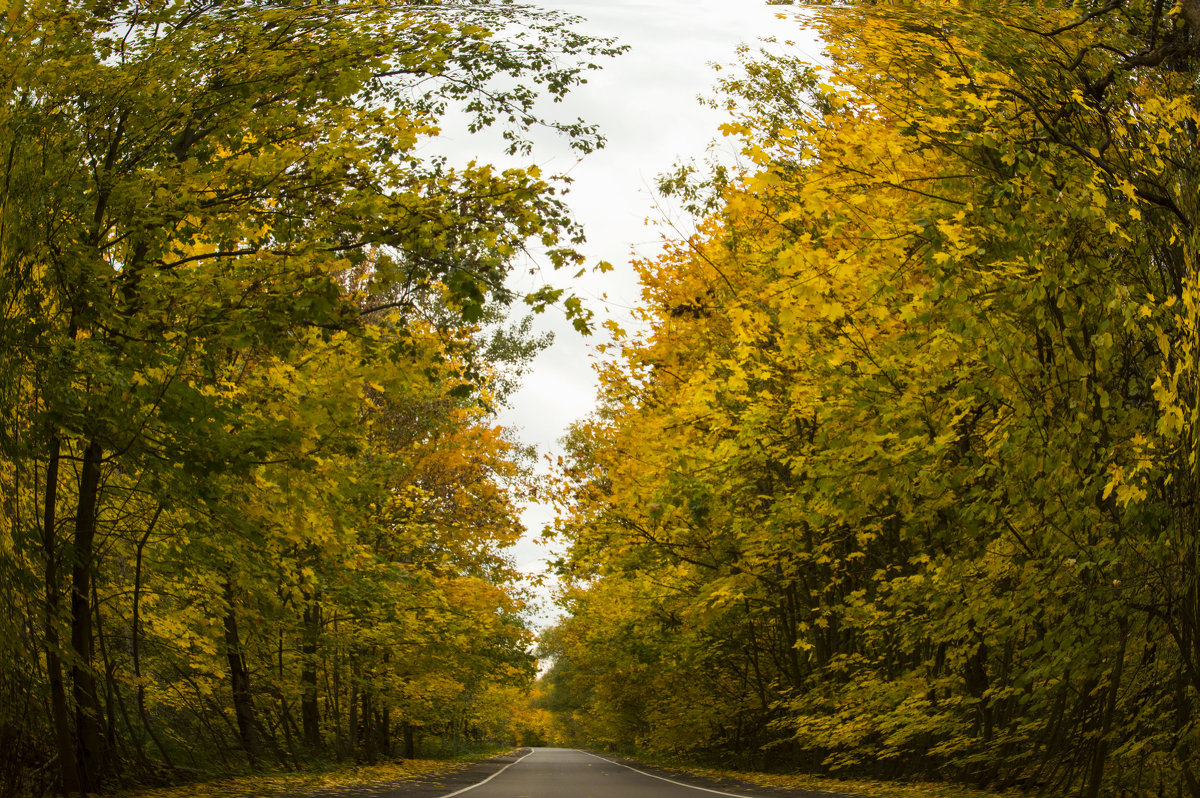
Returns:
(646,105)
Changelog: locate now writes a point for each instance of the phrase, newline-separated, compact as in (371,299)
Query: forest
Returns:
(900,480)
(896,478)
(254,501)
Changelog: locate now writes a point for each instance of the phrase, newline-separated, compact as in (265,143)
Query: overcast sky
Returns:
(646,105)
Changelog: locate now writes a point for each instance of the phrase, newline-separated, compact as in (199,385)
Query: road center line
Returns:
(660,778)
(485,781)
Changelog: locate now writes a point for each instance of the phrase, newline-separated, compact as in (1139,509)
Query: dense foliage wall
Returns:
(902,478)
(253,497)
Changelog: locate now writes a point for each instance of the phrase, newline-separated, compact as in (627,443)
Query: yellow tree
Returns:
(909,402)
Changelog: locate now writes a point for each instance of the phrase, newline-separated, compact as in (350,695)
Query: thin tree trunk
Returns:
(88,716)
(1184,752)
(370,754)
(113,701)
(239,677)
(333,691)
(1100,756)
(410,741)
(385,732)
(352,707)
(291,731)
(285,713)
(143,715)
(309,709)
(58,695)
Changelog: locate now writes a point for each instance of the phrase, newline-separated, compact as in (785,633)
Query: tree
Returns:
(186,192)
(903,441)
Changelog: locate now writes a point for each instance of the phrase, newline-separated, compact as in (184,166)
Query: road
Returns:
(567,773)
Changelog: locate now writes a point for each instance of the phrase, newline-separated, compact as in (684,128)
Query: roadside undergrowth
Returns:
(335,777)
(855,787)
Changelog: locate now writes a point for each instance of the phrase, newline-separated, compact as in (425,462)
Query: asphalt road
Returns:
(557,773)
(567,773)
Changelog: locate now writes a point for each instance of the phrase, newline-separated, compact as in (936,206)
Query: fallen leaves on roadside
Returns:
(343,778)
(879,789)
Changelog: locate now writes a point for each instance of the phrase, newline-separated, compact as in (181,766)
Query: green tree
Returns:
(186,191)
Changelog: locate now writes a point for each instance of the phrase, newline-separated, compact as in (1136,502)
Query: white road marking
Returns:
(485,781)
(661,778)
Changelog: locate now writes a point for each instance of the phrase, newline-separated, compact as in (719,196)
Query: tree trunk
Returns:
(88,717)
(1184,753)
(370,754)
(143,715)
(385,731)
(333,693)
(239,678)
(309,709)
(352,708)
(63,740)
(1100,756)
(285,711)
(114,702)
(410,741)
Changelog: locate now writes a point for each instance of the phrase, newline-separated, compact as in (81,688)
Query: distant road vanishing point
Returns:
(568,773)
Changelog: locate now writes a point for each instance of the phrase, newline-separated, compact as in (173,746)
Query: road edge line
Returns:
(489,778)
(662,778)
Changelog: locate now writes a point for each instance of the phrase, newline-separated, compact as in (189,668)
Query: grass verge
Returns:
(330,777)
(855,787)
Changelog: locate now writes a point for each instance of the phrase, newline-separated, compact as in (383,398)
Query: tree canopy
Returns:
(900,480)
(253,496)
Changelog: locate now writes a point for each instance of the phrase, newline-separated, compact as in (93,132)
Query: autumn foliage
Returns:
(254,501)
(901,479)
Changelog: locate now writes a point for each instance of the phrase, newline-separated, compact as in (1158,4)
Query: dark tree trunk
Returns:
(143,715)
(352,708)
(310,714)
(370,754)
(60,720)
(88,717)
(410,741)
(385,731)
(285,711)
(239,678)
